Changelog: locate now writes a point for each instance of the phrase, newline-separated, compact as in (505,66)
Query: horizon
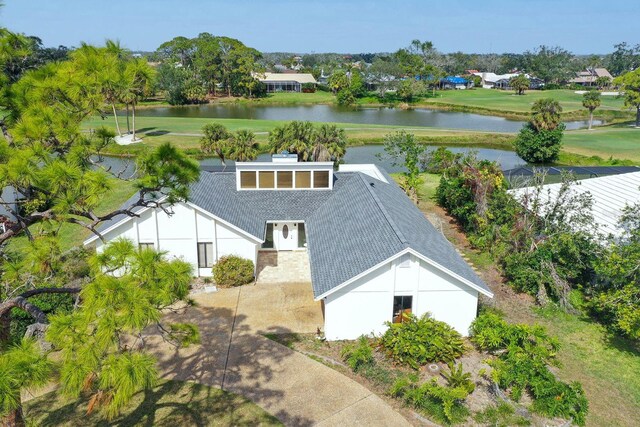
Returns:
(330,26)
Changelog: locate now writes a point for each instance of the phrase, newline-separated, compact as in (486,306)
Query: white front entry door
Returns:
(286,234)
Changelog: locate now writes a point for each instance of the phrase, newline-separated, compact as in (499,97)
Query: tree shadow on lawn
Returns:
(157,133)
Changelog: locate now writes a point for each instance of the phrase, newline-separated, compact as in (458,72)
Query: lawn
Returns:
(619,142)
(172,403)
(185,132)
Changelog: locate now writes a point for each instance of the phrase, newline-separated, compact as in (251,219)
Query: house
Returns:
(455,82)
(289,82)
(372,253)
(589,76)
(610,195)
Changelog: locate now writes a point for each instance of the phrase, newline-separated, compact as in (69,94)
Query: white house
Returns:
(372,253)
(285,82)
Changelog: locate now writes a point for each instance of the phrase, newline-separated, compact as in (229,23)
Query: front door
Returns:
(287,233)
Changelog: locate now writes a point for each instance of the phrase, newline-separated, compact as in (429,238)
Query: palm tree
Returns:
(295,137)
(115,57)
(329,143)
(22,366)
(215,140)
(591,101)
(138,78)
(243,146)
(546,114)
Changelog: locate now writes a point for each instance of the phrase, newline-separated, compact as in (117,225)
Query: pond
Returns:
(362,116)
(358,154)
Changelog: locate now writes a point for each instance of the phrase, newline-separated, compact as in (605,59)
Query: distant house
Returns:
(489,80)
(610,195)
(276,82)
(372,253)
(455,82)
(589,76)
(504,82)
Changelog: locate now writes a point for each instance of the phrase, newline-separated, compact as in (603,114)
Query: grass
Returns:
(172,403)
(606,365)
(620,142)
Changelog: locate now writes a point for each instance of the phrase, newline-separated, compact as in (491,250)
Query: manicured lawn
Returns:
(172,403)
(504,102)
(619,142)
(185,132)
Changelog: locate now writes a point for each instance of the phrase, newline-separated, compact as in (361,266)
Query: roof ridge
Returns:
(384,211)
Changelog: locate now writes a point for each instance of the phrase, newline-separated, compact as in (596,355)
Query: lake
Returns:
(418,117)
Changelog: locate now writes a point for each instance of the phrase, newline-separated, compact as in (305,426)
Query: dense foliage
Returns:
(629,83)
(232,270)
(540,140)
(324,143)
(523,355)
(358,355)
(208,63)
(421,340)
(444,403)
(404,151)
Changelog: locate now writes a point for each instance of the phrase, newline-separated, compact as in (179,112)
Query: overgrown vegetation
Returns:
(523,354)
(540,139)
(232,270)
(421,340)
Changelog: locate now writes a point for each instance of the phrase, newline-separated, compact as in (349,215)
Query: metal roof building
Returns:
(611,194)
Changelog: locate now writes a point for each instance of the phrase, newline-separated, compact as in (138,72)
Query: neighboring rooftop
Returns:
(522,176)
(288,77)
(611,194)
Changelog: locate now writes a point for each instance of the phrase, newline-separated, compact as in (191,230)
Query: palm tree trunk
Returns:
(14,418)
(5,328)
(590,119)
(128,127)
(133,119)
(638,116)
(115,115)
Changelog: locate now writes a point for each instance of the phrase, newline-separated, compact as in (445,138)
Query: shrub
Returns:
(232,270)
(358,355)
(539,146)
(522,365)
(308,87)
(457,378)
(421,340)
(345,98)
(503,415)
(444,404)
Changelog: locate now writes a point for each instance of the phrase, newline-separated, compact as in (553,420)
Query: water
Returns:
(369,154)
(418,117)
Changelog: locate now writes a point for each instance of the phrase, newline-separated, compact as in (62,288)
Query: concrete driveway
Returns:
(234,356)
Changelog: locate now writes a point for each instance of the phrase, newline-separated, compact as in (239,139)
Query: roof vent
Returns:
(372,184)
(284,157)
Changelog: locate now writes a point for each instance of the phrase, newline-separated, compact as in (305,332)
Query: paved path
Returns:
(233,355)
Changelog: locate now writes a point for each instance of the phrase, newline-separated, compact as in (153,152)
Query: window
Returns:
(143,246)
(320,179)
(285,179)
(247,179)
(285,231)
(401,306)
(266,179)
(302,235)
(268,238)
(303,179)
(205,255)
(405,261)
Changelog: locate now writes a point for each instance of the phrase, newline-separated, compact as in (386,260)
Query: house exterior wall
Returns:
(364,306)
(180,233)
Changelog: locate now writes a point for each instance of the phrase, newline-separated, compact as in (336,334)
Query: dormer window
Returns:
(284,174)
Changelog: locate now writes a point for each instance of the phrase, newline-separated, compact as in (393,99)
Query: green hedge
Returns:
(232,270)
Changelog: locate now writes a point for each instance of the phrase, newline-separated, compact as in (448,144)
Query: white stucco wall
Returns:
(366,304)
(180,233)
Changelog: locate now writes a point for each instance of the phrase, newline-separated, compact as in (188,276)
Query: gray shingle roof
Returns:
(359,224)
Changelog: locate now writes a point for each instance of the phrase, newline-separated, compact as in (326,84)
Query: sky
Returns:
(347,26)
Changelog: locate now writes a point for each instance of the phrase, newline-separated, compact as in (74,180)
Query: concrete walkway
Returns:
(234,356)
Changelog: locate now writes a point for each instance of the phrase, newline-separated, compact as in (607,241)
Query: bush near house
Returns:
(421,340)
(358,355)
(523,354)
(308,87)
(232,270)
